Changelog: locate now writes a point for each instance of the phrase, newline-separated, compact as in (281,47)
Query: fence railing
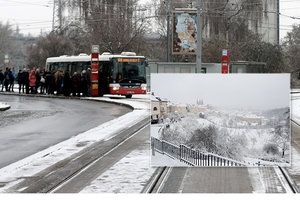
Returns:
(192,157)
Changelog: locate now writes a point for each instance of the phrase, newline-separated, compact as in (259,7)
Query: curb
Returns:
(64,97)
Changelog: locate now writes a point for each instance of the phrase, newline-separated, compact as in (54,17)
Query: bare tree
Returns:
(48,46)
(6,41)
(281,138)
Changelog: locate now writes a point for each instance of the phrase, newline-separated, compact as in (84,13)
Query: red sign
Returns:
(95,74)
(225,61)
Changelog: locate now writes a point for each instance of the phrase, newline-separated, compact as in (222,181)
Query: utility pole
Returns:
(199,38)
(60,15)
(53,15)
(169,7)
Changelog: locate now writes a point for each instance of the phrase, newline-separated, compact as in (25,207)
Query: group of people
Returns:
(7,79)
(41,81)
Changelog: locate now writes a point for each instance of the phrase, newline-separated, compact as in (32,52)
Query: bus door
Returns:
(104,77)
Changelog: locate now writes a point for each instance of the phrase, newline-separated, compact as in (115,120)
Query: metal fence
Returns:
(190,156)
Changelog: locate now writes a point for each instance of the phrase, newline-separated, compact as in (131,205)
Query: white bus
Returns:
(123,74)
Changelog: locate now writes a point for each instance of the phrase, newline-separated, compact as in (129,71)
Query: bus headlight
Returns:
(115,87)
(144,86)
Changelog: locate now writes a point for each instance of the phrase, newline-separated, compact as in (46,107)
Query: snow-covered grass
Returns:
(129,175)
(164,160)
(43,159)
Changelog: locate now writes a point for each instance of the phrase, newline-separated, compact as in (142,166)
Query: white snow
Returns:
(43,159)
(4,105)
(129,175)
(154,130)
(295,105)
(256,180)
(164,160)
(295,169)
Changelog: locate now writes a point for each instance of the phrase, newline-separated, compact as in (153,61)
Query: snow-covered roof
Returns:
(87,58)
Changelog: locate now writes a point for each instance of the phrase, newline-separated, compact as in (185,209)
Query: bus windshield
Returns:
(127,70)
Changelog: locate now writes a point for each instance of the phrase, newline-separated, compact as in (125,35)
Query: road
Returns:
(35,123)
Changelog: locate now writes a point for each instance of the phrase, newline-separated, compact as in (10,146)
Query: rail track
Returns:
(160,176)
(291,184)
(158,180)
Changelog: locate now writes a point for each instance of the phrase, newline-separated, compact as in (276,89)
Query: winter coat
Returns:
(20,78)
(32,79)
(1,77)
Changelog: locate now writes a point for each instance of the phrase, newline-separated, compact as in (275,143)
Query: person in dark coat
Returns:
(26,80)
(84,84)
(49,82)
(20,80)
(6,79)
(67,83)
(12,77)
(38,80)
(76,84)
(1,80)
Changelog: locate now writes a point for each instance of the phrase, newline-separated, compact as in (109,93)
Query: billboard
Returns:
(184,32)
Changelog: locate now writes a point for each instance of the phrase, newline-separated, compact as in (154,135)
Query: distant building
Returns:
(158,109)
(262,16)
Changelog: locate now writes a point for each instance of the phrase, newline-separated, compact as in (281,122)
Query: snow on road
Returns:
(35,163)
(129,175)
(4,106)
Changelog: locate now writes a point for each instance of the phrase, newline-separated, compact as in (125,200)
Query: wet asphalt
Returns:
(35,123)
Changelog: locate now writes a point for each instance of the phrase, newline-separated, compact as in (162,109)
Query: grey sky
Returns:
(249,91)
(32,16)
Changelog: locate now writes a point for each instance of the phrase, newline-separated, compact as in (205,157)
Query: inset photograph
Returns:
(220,120)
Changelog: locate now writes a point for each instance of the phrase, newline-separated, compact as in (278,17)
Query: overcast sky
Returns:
(32,16)
(248,91)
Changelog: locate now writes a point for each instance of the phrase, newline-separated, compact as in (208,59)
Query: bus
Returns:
(123,74)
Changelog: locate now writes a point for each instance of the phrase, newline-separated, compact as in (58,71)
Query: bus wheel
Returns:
(128,96)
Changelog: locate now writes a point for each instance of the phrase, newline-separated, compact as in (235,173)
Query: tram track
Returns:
(77,173)
(157,181)
(292,185)
(62,172)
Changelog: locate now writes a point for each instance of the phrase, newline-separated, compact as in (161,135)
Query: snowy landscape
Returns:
(252,136)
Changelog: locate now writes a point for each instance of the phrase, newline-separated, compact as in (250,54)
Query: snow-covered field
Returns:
(13,173)
(240,135)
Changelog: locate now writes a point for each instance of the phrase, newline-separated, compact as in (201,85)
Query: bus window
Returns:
(124,72)
(80,66)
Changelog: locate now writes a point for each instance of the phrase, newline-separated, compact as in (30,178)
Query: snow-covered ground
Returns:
(4,106)
(129,175)
(238,135)
(13,173)
(295,104)
(295,169)
(164,160)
